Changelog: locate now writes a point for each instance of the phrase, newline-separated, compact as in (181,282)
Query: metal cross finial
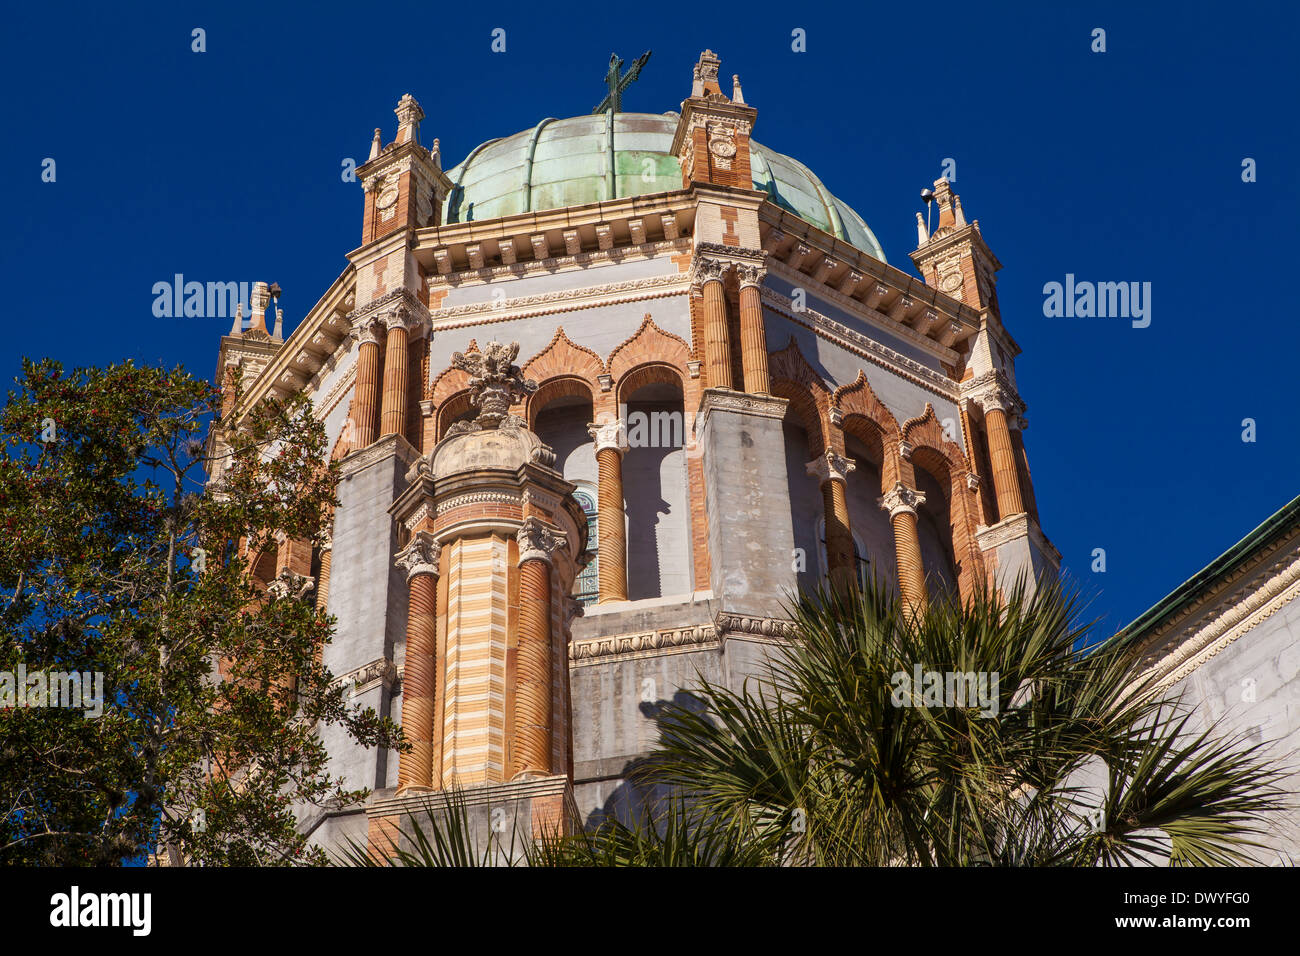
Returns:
(614,99)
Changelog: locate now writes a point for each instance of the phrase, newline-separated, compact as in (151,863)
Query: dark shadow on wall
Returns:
(646,509)
(634,801)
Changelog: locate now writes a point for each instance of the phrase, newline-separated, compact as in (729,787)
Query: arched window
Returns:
(586,588)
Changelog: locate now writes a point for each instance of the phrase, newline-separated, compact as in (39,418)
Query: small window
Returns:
(587,588)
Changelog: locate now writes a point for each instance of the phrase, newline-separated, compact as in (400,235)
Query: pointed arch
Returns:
(649,344)
(564,357)
(865,417)
(947,464)
(794,379)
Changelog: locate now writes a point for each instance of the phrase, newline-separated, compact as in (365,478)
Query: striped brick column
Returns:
(717,343)
(832,473)
(367,387)
(611,543)
(420,560)
(392,418)
(901,503)
(534,682)
(1006,483)
(753,338)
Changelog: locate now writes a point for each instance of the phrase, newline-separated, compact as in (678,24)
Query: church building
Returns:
(604,394)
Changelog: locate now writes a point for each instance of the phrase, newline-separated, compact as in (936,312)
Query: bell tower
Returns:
(956,260)
(403,182)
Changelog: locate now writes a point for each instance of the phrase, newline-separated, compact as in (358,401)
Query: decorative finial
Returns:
(495,383)
(922,234)
(375,145)
(436,153)
(409,115)
(736,95)
(239,319)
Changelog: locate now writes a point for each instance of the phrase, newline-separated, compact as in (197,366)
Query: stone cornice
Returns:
(583,260)
(721,399)
(1222,615)
(368,676)
(780,629)
(560,300)
(337,299)
(597,650)
(863,345)
(385,447)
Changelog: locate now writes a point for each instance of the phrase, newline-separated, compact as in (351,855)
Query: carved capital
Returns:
(325,539)
(706,269)
(902,500)
(420,556)
(370,331)
(830,467)
(609,435)
(537,542)
(750,274)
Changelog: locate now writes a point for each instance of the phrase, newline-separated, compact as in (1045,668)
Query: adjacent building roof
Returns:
(569,162)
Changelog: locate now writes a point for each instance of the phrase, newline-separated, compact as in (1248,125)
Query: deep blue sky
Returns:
(1122,166)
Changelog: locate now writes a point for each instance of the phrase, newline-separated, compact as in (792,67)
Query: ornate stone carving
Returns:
(704,269)
(830,466)
(595,649)
(495,384)
(367,675)
(291,585)
(901,500)
(420,556)
(764,626)
(750,274)
(370,332)
(538,541)
(609,435)
(325,539)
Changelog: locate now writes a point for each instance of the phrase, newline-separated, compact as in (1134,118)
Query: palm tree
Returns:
(839,758)
(984,732)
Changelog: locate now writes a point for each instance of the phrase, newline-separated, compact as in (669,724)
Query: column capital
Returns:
(707,269)
(609,435)
(992,391)
(420,556)
(537,541)
(370,331)
(830,467)
(901,500)
(750,274)
(325,539)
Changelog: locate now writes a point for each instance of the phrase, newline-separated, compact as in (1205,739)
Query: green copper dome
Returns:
(565,162)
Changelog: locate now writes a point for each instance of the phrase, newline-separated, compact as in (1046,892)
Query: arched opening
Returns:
(934,523)
(872,532)
(654,486)
(455,409)
(561,422)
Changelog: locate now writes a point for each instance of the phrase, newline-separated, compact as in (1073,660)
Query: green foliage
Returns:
(819,765)
(121,559)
